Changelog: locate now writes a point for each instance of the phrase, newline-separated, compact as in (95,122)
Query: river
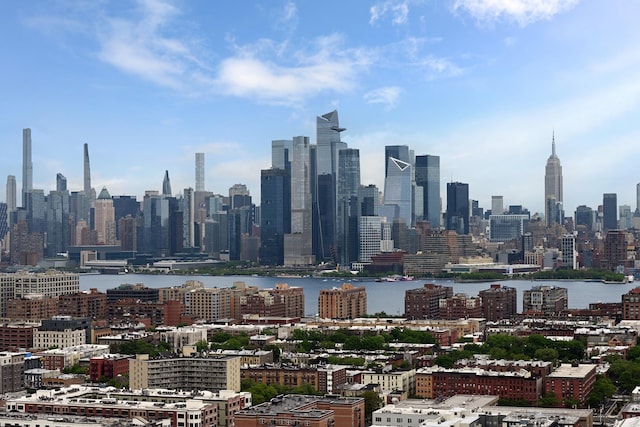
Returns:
(381,296)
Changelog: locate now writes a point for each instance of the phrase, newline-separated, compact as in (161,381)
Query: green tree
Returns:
(546,354)
(372,402)
(202,345)
(603,388)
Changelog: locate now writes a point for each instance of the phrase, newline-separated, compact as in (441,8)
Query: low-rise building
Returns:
(212,372)
(302,410)
(571,383)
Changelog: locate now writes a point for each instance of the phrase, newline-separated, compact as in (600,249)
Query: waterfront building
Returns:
(544,299)
(619,251)
(569,252)
(136,291)
(346,302)
(631,304)
(499,302)
(213,373)
(51,283)
(460,306)
(348,205)
(424,303)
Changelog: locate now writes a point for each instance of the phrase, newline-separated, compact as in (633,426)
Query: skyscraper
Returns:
(397,191)
(324,192)
(88,200)
(61,182)
(428,180)
(458,207)
(199,171)
(275,220)
(348,204)
(166,184)
(12,202)
(638,198)
(297,244)
(27,165)
(497,205)
(609,211)
(105,223)
(552,186)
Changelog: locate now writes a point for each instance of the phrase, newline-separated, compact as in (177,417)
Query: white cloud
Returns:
(385,95)
(397,9)
(287,17)
(324,67)
(524,12)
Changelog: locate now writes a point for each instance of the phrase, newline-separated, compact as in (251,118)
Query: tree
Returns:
(546,354)
(602,389)
(202,345)
(372,402)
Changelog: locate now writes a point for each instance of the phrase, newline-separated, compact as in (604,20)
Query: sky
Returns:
(484,84)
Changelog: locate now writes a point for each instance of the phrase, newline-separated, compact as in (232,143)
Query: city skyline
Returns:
(483,89)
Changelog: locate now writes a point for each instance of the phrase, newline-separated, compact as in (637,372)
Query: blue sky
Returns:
(481,83)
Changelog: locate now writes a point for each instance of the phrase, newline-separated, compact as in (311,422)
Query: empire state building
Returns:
(553,188)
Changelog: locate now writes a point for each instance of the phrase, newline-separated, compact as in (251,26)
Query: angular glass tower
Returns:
(397,191)
(27,165)
(348,204)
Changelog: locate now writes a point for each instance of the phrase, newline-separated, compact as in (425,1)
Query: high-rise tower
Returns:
(553,187)
(609,211)
(12,202)
(89,194)
(428,179)
(166,184)
(397,191)
(27,165)
(199,171)
(458,207)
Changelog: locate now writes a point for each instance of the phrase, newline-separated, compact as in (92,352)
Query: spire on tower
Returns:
(553,143)
(166,184)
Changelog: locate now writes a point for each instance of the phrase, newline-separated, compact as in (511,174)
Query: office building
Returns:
(212,373)
(609,211)
(398,200)
(458,207)
(370,232)
(104,215)
(497,205)
(199,171)
(569,252)
(88,201)
(348,205)
(346,302)
(504,228)
(552,186)
(619,251)
(585,217)
(12,203)
(297,243)
(427,177)
(62,332)
(325,188)
(275,203)
(499,302)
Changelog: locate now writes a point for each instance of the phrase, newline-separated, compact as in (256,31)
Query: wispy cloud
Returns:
(398,10)
(287,17)
(523,12)
(138,45)
(325,66)
(388,96)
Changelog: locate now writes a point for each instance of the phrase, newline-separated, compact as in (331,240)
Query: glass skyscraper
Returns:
(428,181)
(397,191)
(458,207)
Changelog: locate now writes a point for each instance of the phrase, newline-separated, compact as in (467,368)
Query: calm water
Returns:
(388,297)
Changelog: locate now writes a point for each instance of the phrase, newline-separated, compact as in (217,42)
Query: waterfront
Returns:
(381,296)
